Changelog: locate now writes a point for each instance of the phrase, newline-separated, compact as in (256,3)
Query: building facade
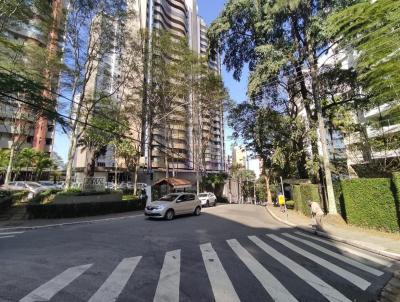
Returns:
(181,20)
(239,157)
(18,125)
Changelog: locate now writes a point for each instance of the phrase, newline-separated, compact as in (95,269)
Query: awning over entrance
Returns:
(175,183)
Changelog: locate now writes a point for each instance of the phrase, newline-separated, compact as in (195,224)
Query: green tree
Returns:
(214,182)
(42,162)
(95,31)
(26,159)
(105,128)
(28,70)
(281,41)
(372,28)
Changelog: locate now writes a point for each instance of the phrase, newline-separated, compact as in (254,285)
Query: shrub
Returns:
(44,196)
(301,194)
(79,192)
(370,202)
(69,210)
(290,204)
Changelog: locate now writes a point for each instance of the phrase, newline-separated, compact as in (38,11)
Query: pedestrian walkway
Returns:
(371,239)
(286,266)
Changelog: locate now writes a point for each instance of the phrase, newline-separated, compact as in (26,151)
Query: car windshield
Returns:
(33,185)
(169,197)
(203,195)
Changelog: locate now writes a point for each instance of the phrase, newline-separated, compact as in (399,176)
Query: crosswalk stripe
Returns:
(275,289)
(52,287)
(6,237)
(10,233)
(345,259)
(356,280)
(325,289)
(168,284)
(115,283)
(220,283)
(346,249)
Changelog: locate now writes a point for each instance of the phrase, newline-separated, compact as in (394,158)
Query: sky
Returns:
(209,10)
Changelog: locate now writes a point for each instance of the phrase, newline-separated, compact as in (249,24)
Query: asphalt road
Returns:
(229,253)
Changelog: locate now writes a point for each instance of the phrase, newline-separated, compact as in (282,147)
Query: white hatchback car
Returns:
(172,205)
(208,199)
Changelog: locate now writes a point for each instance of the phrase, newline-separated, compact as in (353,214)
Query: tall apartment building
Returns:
(239,156)
(38,132)
(113,76)
(180,18)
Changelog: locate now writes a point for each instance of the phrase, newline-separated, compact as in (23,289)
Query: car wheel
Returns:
(197,211)
(208,203)
(169,215)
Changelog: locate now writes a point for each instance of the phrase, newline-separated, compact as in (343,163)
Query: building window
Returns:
(50,128)
(29,139)
(101,164)
(49,141)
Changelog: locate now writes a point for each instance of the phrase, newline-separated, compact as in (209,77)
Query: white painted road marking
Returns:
(220,283)
(168,284)
(5,235)
(52,287)
(10,233)
(346,249)
(115,283)
(325,289)
(275,289)
(345,259)
(356,280)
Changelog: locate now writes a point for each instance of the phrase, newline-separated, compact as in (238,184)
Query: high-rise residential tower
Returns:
(35,37)
(180,18)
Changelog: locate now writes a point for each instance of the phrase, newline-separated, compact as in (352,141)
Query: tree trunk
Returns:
(116,168)
(71,155)
(322,135)
(134,179)
(10,165)
(326,164)
(268,189)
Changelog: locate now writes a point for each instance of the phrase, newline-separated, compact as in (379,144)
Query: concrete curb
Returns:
(357,244)
(37,227)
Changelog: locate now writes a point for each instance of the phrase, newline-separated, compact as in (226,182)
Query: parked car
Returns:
(60,185)
(34,188)
(208,199)
(174,204)
(110,185)
(48,184)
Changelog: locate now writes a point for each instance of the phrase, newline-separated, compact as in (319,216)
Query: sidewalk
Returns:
(48,223)
(386,244)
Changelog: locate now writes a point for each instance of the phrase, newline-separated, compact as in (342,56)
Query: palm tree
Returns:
(42,162)
(26,159)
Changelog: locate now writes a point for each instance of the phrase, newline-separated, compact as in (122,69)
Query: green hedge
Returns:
(7,198)
(370,202)
(290,204)
(301,194)
(54,210)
